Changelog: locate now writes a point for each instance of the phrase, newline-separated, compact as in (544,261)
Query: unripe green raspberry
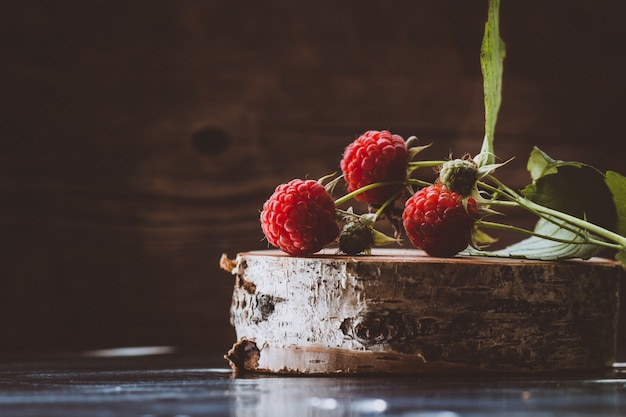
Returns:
(356,237)
(459,175)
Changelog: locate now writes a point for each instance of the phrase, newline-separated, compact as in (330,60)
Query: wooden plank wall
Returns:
(139,139)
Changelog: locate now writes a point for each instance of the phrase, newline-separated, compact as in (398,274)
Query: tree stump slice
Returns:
(400,311)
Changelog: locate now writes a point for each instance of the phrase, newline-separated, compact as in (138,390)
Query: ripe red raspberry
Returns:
(299,217)
(436,221)
(375,157)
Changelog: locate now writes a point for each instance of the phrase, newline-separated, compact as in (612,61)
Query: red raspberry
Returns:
(436,221)
(375,157)
(299,218)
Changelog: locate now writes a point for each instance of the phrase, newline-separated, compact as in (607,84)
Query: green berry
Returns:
(356,237)
(459,176)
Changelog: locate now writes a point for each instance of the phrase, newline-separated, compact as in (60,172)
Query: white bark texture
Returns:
(400,311)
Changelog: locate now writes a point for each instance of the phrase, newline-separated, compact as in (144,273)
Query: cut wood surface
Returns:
(401,311)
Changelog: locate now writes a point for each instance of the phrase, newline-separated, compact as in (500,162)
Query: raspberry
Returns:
(299,217)
(376,156)
(436,220)
(459,175)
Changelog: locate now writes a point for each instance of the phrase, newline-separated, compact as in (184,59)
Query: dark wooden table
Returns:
(191,385)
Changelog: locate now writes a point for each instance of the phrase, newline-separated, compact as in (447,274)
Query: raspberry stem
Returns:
(421,164)
(386,204)
(511,196)
(368,187)
(415,181)
(569,222)
(508,227)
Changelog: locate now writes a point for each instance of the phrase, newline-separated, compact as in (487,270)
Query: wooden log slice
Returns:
(401,311)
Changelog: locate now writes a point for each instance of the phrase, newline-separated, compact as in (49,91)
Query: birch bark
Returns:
(400,311)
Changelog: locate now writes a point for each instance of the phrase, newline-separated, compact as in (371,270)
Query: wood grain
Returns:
(139,139)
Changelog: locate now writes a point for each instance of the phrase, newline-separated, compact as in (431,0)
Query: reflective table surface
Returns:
(182,385)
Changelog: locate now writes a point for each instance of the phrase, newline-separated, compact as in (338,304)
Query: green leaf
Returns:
(492,54)
(414,150)
(571,187)
(488,169)
(540,164)
(482,239)
(575,189)
(381,239)
(539,248)
(617,186)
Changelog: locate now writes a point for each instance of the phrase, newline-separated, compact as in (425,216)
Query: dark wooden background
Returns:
(139,139)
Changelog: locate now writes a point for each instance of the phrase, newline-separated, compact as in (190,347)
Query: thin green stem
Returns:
(415,181)
(546,212)
(386,204)
(513,202)
(507,227)
(420,164)
(368,187)
(507,192)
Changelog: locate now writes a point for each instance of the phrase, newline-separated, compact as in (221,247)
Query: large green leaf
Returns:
(571,187)
(617,186)
(575,189)
(536,247)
